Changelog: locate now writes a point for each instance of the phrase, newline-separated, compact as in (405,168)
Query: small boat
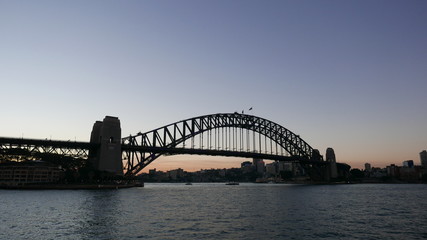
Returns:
(232,183)
(189,183)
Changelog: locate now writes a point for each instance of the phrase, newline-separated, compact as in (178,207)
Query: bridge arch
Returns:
(143,148)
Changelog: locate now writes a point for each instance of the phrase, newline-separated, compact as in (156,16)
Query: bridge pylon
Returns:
(330,158)
(108,155)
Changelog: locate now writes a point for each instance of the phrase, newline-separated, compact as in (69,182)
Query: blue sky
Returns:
(344,74)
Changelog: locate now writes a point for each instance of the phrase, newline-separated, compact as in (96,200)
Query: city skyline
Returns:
(346,75)
(193,163)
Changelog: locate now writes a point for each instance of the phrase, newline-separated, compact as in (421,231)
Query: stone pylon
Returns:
(108,156)
(330,157)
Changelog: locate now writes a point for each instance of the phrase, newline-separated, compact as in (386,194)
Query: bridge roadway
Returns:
(46,143)
(214,152)
(25,146)
(8,143)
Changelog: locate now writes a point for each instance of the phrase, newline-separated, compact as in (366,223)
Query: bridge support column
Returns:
(108,156)
(330,158)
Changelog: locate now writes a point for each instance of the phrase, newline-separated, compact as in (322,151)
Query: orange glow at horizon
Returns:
(193,163)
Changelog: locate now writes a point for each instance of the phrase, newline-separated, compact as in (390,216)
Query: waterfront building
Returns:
(410,174)
(14,173)
(423,158)
(255,161)
(392,170)
(245,164)
(160,176)
(271,168)
(176,173)
(260,167)
(222,172)
(246,167)
(284,166)
(297,169)
(378,172)
(280,166)
(152,172)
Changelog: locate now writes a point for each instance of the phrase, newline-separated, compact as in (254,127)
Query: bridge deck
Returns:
(46,143)
(171,151)
(213,152)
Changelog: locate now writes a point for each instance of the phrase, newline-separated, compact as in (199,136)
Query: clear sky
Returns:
(351,75)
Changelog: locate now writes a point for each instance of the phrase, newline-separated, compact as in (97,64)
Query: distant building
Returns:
(260,166)
(255,161)
(378,172)
(152,171)
(408,163)
(410,174)
(392,170)
(284,166)
(423,158)
(297,169)
(246,167)
(222,172)
(245,164)
(271,168)
(316,155)
(343,170)
(175,174)
(368,167)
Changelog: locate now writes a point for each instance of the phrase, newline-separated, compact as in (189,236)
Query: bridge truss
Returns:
(17,149)
(223,134)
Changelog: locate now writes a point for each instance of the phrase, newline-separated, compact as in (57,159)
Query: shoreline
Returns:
(70,186)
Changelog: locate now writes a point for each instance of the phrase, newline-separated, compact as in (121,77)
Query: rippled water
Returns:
(212,211)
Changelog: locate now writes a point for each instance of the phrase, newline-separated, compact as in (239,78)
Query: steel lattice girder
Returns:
(137,148)
(34,146)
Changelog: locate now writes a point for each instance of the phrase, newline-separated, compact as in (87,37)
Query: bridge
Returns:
(222,134)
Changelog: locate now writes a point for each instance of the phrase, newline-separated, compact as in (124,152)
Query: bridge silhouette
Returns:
(222,134)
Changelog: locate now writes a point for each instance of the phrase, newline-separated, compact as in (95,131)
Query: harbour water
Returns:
(218,211)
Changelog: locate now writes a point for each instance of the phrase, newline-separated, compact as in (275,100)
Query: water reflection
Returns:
(100,215)
(212,211)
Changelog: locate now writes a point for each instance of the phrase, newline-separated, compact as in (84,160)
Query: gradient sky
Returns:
(351,75)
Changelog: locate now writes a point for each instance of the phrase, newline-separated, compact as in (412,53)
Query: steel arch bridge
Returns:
(222,134)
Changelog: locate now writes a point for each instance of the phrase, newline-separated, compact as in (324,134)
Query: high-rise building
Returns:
(423,158)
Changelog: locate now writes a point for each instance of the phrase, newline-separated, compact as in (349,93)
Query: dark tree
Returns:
(356,174)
